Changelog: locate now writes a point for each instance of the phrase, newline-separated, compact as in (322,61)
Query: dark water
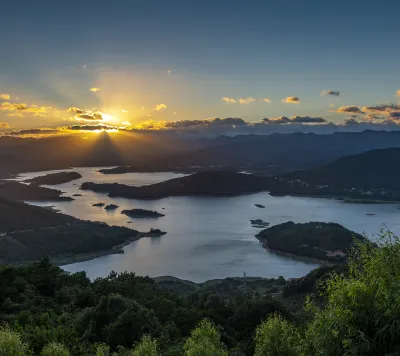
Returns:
(209,237)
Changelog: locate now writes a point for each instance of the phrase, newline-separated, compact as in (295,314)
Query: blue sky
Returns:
(188,55)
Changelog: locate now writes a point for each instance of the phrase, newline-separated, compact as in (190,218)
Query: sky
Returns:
(147,64)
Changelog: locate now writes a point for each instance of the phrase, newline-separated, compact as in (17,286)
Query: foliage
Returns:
(362,313)
(276,336)
(55,349)
(146,347)
(205,341)
(11,344)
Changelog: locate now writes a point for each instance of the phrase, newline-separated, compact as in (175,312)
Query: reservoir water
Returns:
(208,237)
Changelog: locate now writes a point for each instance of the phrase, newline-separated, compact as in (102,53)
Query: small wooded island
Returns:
(54,178)
(316,240)
(141,213)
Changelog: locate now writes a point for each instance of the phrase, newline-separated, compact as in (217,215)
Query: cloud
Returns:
(351,121)
(291,100)
(40,131)
(169,71)
(4,125)
(245,101)
(5,96)
(90,116)
(91,127)
(24,108)
(330,92)
(84,66)
(398,93)
(349,109)
(307,119)
(95,90)
(294,120)
(265,100)
(382,109)
(229,100)
(75,110)
(160,107)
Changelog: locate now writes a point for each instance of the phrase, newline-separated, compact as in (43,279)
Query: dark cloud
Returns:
(91,127)
(330,92)
(351,121)
(96,116)
(41,131)
(307,119)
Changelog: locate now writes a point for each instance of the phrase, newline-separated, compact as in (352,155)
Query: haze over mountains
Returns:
(272,154)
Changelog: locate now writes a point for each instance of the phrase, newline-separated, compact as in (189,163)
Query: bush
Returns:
(11,344)
(146,347)
(205,341)
(55,349)
(277,336)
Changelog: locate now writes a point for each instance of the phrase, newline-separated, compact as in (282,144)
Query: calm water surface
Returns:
(208,237)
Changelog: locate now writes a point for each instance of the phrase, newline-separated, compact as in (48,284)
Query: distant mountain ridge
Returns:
(372,169)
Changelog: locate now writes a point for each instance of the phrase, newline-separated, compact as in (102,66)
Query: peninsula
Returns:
(54,178)
(30,232)
(21,191)
(213,183)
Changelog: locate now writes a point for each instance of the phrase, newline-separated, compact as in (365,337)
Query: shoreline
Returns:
(297,257)
(68,259)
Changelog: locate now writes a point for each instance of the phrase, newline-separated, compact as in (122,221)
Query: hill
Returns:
(20,191)
(316,240)
(200,184)
(372,169)
(29,232)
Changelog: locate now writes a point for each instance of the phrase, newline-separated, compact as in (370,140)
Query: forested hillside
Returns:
(50,312)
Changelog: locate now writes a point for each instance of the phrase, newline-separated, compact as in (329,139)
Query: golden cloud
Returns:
(24,108)
(398,93)
(160,107)
(349,109)
(291,100)
(245,101)
(5,96)
(265,100)
(229,100)
(4,125)
(95,90)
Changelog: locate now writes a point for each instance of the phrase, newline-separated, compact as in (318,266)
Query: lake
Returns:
(207,237)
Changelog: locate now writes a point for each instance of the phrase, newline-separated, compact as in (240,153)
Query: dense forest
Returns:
(352,311)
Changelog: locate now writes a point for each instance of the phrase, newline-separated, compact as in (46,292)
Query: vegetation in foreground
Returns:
(49,312)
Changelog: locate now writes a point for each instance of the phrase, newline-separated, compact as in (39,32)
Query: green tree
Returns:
(55,349)
(362,312)
(277,337)
(205,341)
(11,344)
(146,347)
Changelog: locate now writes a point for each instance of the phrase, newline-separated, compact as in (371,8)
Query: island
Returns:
(259,206)
(153,233)
(29,232)
(21,191)
(212,183)
(324,242)
(76,195)
(259,223)
(54,178)
(111,207)
(141,213)
(99,204)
